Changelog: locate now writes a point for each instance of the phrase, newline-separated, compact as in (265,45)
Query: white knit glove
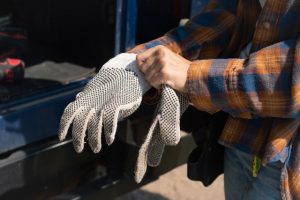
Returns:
(113,94)
(165,130)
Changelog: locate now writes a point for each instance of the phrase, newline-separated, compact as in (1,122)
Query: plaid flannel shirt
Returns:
(262,92)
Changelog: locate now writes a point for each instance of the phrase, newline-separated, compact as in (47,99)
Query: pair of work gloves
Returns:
(114,94)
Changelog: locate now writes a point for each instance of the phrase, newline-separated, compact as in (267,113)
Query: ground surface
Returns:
(176,186)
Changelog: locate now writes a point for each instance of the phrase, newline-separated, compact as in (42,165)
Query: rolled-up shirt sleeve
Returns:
(264,85)
(215,23)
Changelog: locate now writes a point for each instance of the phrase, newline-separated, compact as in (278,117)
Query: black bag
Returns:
(206,162)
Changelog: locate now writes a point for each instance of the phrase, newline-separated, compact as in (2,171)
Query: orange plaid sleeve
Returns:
(264,85)
(213,25)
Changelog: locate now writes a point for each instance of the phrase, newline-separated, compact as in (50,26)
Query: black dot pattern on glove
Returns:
(165,130)
(116,93)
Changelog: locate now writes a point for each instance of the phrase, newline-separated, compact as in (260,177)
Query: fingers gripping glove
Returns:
(165,130)
(113,94)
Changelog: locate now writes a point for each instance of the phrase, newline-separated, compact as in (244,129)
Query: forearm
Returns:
(213,24)
(264,85)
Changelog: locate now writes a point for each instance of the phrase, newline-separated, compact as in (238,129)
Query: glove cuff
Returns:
(127,61)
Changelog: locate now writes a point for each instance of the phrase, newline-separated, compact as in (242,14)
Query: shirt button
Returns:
(267,25)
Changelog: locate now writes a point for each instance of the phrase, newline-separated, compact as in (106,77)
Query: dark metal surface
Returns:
(53,170)
(112,188)
(33,165)
(34,118)
(77,32)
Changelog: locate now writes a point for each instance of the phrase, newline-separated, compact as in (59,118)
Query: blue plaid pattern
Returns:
(261,93)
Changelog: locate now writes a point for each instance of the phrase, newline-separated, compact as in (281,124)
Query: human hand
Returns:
(161,66)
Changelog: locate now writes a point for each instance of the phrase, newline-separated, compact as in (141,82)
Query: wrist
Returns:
(183,87)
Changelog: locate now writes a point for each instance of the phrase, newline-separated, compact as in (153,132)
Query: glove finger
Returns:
(184,102)
(168,127)
(155,151)
(112,115)
(79,128)
(170,117)
(69,113)
(141,165)
(94,131)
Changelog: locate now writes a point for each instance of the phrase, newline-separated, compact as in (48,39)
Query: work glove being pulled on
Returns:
(165,130)
(113,94)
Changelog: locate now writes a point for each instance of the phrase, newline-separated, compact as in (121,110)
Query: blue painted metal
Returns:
(119,27)
(131,24)
(126,20)
(34,118)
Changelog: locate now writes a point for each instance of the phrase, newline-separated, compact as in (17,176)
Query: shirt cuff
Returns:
(213,86)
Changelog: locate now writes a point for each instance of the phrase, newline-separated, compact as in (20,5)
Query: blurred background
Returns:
(175,185)
(49,50)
